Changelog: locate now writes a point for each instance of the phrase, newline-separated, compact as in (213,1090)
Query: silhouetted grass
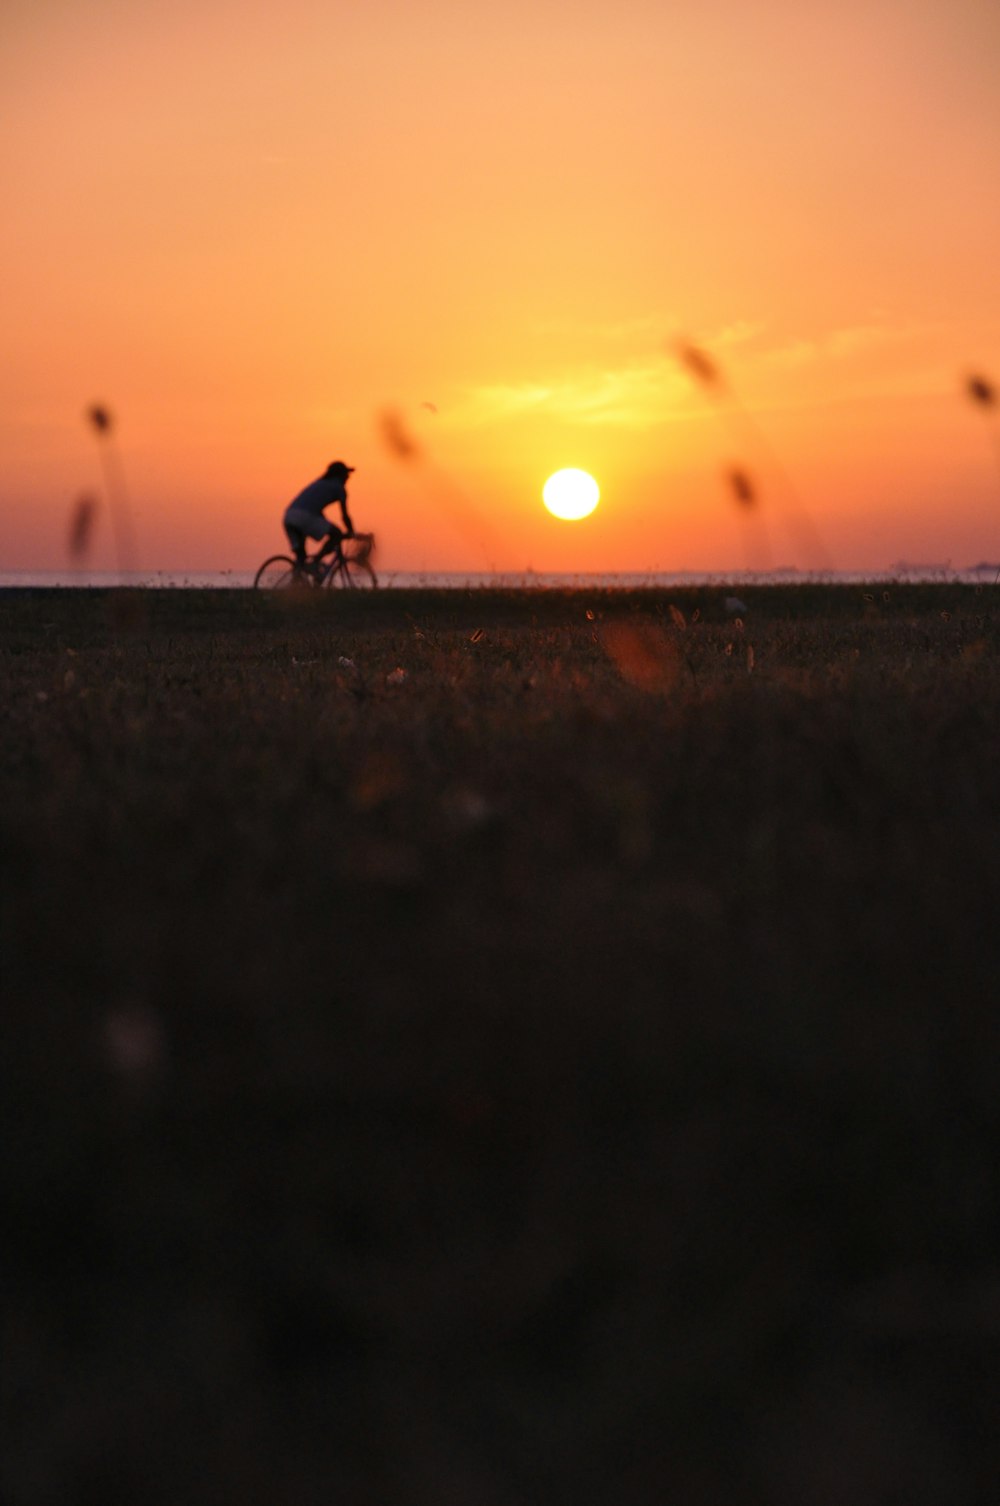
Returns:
(439,489)
(103,423)
(709,375)
(982,393)
(563,1072)
(81,526)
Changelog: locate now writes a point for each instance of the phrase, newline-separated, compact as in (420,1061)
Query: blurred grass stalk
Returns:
(707,374)
(115,486)
(439,487)
(981,391)
(756,535)
(81,527)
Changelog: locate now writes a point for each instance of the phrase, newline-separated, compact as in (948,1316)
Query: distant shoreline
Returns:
(228,580)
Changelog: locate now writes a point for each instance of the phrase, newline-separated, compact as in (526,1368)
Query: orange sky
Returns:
(250,228)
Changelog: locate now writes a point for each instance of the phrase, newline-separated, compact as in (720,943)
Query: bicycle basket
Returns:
(358,547)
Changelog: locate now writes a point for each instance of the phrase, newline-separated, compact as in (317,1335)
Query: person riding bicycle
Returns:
(304,515)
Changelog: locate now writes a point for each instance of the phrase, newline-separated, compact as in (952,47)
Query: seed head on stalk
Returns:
(396,438)
(100,418)
(742,487)
(102,422)
(705,371)
(982,393)
(699,365)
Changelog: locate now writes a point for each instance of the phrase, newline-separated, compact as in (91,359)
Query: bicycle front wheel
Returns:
(358,573)
(354,567)
(279,573)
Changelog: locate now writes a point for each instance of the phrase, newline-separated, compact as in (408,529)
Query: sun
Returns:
(571,494)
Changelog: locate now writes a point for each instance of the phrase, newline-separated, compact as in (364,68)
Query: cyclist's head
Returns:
(338,468)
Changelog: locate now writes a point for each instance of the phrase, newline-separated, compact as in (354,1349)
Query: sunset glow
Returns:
(251,232)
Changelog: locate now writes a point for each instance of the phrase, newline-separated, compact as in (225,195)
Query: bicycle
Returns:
(348,567)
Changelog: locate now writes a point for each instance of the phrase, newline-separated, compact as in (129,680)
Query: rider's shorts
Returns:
(308,525)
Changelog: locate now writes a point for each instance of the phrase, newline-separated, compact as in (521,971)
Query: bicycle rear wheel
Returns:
(280,573)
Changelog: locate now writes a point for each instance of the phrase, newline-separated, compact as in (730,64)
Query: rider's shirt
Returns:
(319,494)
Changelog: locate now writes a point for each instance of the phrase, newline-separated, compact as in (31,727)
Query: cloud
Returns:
(738,333)
(635,388)
(874,357)
(850,340)
(827,348)
(640,329)
(635,395)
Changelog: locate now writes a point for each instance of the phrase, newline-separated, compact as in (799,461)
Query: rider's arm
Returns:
(347,518)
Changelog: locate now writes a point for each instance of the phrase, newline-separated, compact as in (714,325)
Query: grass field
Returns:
(480,1048)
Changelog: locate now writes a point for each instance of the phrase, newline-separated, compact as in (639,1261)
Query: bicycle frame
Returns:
(343,565)
(349,569)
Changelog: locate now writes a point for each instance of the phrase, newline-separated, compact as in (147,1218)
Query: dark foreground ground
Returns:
(551,1057)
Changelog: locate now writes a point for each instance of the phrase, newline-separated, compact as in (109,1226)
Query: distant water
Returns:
(526,580)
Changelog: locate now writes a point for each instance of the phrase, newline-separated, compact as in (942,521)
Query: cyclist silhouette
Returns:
(304,515)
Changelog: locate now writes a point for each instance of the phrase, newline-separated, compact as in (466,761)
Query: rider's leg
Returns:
(297,541)
(301,526)
(330,545)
